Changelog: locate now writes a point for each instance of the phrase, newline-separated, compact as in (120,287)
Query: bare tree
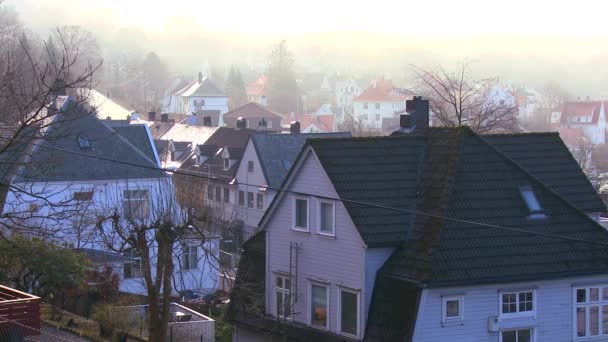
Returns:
(156,231)
(551,98)
(458,99)
(582,152)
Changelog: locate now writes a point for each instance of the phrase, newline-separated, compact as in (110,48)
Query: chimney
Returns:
(241,123)
(108,118)
(418,117)
(151,116)
(263,100)
(294,127)
(207,121)
(164,117)
(200,77)
(191,119)
(134,116)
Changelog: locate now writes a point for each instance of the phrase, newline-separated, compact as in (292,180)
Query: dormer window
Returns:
(84,143)
(534,207)
(226,163)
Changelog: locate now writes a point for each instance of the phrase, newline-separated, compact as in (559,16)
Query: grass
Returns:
(60,319)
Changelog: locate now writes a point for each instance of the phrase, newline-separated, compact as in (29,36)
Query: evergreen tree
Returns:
(155,78)
(235,88)
(282,87)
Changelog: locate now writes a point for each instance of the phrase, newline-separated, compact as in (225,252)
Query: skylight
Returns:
(84,143)
(534,206)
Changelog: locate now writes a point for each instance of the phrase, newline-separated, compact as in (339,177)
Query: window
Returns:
(300,217)
(517,304)
(534,207)
(210,192)
(132,264)
(519,335)
(226,163)
(326,218)
(452,308)
(84,143)
(226,195)
(136,204)
(249,199)
(241,198)
(365,105)
(377,106)
(190,257)
(83,196)
(349,312)
(377,117)
(591,311)
(365,117)
(283,297)
(318,305)
(270,124)
(218,193)
(250,166)
(259,201)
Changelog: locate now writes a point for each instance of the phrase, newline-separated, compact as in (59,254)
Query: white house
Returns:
(345,92)
(79,170)
(202,97)
(381,100)
(590,116)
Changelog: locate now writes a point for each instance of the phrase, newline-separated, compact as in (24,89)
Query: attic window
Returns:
(536,210)
(226,163)
(84,143)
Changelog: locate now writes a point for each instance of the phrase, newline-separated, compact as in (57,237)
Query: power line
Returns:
(300,193)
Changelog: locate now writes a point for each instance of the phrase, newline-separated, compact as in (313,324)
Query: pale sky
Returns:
(420,18)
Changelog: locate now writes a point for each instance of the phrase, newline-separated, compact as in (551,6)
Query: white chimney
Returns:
(263,100)
(134,116)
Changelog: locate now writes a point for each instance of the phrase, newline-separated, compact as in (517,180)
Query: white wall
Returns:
(372,116)
(211,103)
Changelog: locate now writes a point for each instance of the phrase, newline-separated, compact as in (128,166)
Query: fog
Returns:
(187,43)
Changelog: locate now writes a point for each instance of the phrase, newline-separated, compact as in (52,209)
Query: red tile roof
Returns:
(325,123)
(581,109)
(381,90)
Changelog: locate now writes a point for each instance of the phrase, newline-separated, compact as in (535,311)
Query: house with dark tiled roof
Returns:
(63,178)
(432,234)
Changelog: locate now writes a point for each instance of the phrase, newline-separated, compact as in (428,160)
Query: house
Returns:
(380,100)
(438,234)
(203,98)
(527,102)
(107,107)
(257,116)
(345,92)
(81,168)
(312,123)
(588,115)
(257,90)
(266,160)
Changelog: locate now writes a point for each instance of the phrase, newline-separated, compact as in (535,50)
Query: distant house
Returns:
(257,117)
(527,102)
(590,116)
(380,100)
(434,235)
(106,106)
(82,167)
(203,98)
(257,90)
(346,91)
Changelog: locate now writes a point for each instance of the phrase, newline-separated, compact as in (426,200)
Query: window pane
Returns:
(524,335)
(301,211)
(605,319)
(242,198)
(250,199)
(594,320)
(581,322)
(287,284)
(279,282)
(279,303)
(594,294)
(318,306)
(581,296)
(509,303)
(226,195)
(210,192)
(525,301)
(509,336)
(452,308)
(605,293)
(349,311)
(260,201)
(327,217)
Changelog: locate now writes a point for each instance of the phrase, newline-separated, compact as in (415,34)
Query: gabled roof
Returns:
(322,123)
(587,109)
(252,110)
(67,132)
(277,152)
(136,134)
(205,88)
(188,133)
(107,107)
(381,91)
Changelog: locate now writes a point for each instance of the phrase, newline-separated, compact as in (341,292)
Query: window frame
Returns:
(532,333)
(327,305)
(187,251)
(226,195)
(135,260)
(218,193)
(87,196)
(241,199)
(252,202)
(444,307)
(250,166)
(259,204)
(587,304)
(144,201)
(294,214)
(517,313)
(226,164)
(284,291)
(339,308)
(210,192)
(333,216)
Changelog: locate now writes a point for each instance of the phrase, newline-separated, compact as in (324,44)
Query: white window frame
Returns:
(327,304)
(588,304)
(532,333)
(517,313)
(259,204)
(333,215)
(132,260)
(189,250)
(250,166)
(144,201)
(285,292)
(226,163)
(294,216)
(339,317)
(241,203)
(444,308)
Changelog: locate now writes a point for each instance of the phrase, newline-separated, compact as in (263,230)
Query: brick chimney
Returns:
(294,127)
(164,117)
(417,118)
(241,123)
(151,116)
